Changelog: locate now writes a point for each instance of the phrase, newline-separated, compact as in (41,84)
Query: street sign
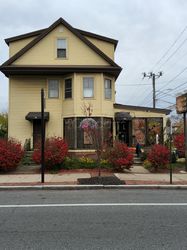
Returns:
(181,104)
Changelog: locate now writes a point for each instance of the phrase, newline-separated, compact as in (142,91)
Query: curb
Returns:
(93,187)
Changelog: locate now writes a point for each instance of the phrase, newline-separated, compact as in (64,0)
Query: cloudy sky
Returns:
(152,37)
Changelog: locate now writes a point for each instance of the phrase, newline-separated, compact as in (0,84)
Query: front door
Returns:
(36,132)
(123,132)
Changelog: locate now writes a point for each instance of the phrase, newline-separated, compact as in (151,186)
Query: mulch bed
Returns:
(100,180)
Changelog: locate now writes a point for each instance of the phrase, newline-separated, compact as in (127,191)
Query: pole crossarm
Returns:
(153,76)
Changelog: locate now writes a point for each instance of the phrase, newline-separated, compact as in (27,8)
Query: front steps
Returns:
(27,159)
(137,160)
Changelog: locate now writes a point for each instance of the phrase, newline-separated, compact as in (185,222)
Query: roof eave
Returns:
(83,32)
(57,70)
(141,108)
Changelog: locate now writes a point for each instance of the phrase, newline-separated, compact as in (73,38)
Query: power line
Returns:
(175,77)
(172,45)
(176,87)
(173,53)
(166,53)
(136,84)
(160,100)
(146,98)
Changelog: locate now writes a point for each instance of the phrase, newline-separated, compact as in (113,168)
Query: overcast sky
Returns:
(146,30)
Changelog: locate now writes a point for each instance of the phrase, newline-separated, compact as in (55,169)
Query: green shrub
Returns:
(147,164)
(173,157)
(83,162)
(143,156)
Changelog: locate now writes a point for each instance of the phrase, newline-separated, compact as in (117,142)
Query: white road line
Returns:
(91,205)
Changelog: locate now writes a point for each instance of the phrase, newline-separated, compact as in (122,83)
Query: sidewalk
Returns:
(71,179)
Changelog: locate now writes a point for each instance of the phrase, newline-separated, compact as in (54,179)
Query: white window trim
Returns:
(67,48)
(89,76)
(59,92)
(72,88)
(109,99)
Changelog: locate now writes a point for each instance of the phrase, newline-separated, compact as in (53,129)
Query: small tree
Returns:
(3,125)
(93,131)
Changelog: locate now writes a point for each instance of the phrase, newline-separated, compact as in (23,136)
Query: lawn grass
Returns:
(178,165)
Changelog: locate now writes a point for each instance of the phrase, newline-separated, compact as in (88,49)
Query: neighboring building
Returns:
(75,68)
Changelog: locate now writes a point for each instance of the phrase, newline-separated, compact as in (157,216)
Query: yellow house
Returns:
(77,71)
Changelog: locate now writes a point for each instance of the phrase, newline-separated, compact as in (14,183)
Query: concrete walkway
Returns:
(71,178)
(36,178)
(152,177)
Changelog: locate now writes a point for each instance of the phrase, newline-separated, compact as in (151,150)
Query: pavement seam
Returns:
(91,187)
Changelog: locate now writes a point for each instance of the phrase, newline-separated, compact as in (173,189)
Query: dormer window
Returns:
(61,48)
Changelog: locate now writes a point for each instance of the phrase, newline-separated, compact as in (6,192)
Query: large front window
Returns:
(88,87)
(77,138)
(146,130)
(53,88)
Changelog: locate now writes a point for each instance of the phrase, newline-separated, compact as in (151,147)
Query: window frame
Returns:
(69,78)
(105,89)
(66,49)
(48,88)
(93,89)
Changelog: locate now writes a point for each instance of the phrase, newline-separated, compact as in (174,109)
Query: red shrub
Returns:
(56,150)
(120,156)
(11,154)
(158,156)
(179,144)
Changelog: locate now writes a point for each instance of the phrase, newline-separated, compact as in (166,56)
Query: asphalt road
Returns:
(100,219)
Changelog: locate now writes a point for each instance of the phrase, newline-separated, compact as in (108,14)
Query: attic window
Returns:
(61,48)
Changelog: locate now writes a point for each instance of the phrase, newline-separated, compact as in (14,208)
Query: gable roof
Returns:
(83,32)
(47,31)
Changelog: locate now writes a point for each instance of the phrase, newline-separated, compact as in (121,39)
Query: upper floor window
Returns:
(108,88)
(88,87)
(68,88)
(61,48)
(53,88)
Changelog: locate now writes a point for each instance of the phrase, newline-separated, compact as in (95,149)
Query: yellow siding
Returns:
(14,47)
(101,107)
(136,113)
(24,98)
(106,47)
(44,52)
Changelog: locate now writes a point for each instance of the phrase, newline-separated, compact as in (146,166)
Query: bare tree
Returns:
(93,131)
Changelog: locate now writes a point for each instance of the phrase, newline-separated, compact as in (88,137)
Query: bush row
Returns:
(117,157)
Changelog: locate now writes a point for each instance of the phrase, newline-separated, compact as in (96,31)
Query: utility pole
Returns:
(153,76)
(42,136)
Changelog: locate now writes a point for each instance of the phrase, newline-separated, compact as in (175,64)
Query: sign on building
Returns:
(181,104)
